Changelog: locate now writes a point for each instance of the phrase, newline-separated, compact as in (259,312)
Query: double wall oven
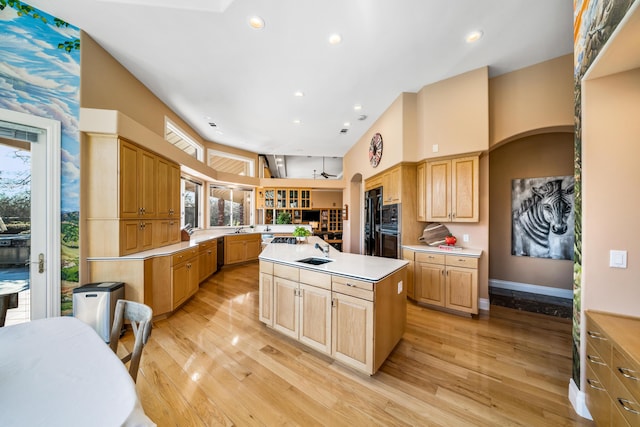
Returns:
(382,226)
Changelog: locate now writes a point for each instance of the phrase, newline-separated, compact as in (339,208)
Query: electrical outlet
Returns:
(399,287)
(435,148)
(465,237)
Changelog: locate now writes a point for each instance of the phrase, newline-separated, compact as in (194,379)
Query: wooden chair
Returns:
(140,317)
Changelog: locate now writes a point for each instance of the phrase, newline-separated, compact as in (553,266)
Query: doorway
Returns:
(30,236)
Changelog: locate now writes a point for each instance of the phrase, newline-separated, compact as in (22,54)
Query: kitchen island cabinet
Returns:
(352,308)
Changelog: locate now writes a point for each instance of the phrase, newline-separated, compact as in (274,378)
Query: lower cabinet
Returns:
(207,259)
(612,369)
(335,315)
(184,276)
(242,248)
(449,281)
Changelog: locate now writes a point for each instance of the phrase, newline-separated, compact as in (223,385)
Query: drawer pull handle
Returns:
(596,335)
(350,285)
(596,360)
(626,373)
(462,260)
(624,403)
(592,382)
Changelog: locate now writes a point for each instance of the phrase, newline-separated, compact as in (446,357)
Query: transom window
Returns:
(176,136)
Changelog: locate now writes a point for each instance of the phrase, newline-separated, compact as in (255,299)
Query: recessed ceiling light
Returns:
(298,93)
(347,124)
(297,121)
(474,36)
(256,22)
(335,38)
(357,107)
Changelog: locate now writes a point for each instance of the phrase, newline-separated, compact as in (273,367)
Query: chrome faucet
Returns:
(324,248)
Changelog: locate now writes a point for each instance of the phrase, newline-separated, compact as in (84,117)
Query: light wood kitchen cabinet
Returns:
(613,369)
(409,255)
(265,290)
(452,190)
(448,281)
(392,186)
(242,248)
(168,189)
(207,259)
(421,193)
(184,275)
(127,186)
(354,321)
(373,182)
(166,232)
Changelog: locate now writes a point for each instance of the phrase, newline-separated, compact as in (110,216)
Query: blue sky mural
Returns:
(38,78)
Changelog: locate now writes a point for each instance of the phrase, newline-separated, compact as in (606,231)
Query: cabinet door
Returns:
(162,231)
(305,199)
(203,266)
(421,197)
(234,251)
(430,283)
(293,199)
(266,299)
(174,231)
(212,253)
(408,255)
(315,317)
(286,306)
(130,236)
(164,188)
(180,284)
(192,276)
(391,186)
(352,331)
(465,189)
(462,289)
(438,197)
(147,183)
(253,249)
(147,234)
(129,164)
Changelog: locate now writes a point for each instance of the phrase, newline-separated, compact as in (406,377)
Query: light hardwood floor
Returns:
(213,363)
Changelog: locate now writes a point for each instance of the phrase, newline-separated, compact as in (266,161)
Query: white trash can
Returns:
(95,303)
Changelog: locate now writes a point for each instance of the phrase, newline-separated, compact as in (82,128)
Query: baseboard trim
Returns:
(483,304)
(533,289)
(578,401)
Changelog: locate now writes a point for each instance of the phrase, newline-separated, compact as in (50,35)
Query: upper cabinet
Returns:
(448,191)
(392,186)
(133,197)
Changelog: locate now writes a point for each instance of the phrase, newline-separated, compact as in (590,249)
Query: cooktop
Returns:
(289,240)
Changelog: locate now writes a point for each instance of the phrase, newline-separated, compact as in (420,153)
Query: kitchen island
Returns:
(351,307)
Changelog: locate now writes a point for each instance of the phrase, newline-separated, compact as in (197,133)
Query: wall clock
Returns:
(375,150)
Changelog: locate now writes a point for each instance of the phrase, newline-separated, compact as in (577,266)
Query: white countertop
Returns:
(469,252)
(196,238)
(361,267)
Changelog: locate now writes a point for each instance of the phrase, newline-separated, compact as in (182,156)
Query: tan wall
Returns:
(610,153)
(542,155)
(454,113)
(531,99)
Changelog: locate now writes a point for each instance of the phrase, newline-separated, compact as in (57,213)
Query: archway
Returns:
(356,214)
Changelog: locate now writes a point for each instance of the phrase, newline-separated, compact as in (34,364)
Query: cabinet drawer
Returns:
(628,405)
(313,278)
(599,340)
(598,400)
(427,257)
(598,366)
(207,244)
(461,261)
(286,272)
(627,372)
(353,287)
(266,267)
(182,256)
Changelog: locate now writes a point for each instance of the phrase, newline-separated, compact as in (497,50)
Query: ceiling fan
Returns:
(323,174)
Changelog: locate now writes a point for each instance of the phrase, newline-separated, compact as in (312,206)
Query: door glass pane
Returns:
(15,230)
(191,203)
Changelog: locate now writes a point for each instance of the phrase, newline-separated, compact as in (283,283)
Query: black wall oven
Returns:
(390,231)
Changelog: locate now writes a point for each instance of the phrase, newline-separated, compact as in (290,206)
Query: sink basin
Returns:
(315,261)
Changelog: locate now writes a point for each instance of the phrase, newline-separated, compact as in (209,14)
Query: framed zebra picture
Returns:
(542,221)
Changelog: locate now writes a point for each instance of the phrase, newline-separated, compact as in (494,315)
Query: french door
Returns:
(41,136)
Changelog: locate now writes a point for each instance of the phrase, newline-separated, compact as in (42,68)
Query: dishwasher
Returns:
(220,243)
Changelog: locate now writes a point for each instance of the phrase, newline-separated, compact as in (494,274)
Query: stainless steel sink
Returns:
(315,260)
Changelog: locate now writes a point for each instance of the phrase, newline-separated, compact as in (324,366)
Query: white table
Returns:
(58,372)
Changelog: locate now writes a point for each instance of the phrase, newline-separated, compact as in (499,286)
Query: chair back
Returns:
(140,317)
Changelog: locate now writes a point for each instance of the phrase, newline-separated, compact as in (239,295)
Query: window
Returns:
(230,163)
(176,136)
(230,206)
(191,194)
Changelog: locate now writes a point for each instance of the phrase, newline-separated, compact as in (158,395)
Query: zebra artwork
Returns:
(542,220)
